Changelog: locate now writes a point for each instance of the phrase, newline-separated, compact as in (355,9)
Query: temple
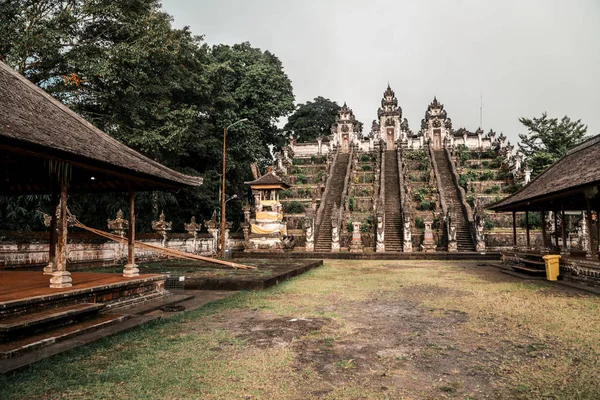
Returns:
(399,190)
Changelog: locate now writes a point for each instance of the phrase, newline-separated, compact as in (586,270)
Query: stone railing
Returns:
(325,194)
(466,208)
(344,198)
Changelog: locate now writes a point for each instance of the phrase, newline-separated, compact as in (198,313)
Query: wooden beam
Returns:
(544,238)
(590,249)
(563,226)
(556,228)
(514,215)
(527,229)
(131,270)
(51,267)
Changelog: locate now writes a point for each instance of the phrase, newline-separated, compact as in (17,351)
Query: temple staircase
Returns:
(464,240)
(393,214)
(336,187)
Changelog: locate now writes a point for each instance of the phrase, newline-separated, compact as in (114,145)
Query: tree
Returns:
(548,139)
(312,119)
(160,90)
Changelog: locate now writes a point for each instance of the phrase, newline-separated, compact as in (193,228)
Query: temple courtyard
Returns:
(349,329)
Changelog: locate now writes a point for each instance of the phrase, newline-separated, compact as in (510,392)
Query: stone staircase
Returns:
(464,241)
(336,186)
(393,214)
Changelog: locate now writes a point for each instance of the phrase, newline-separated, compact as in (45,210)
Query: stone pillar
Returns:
(309,232)
(451,227)
(335,233)
(61,278)
(131,270)
(162,227)
(380,247)
(192,228)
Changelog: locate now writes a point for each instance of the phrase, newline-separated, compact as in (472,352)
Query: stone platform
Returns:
(440,255)
(200,275)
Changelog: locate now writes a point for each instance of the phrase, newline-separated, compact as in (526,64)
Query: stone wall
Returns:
(90,250)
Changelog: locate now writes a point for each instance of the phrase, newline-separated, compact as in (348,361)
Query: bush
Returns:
(502,175)
(471,201)
(349,226)
(366,158)
(284,194)
(319,176)
(488,224)
(423,166)
(491,190)
(301,178)
(487,176)
(485,163)
(426,206)
(510,189)
(419,224)
(351,203)
(366,167)
(535,220)
(366,225)
(293,207)
(298,161)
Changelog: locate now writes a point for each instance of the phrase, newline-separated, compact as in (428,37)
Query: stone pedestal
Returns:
(428,245)
(50,268)
(130,271)
(356,245)
(61,279)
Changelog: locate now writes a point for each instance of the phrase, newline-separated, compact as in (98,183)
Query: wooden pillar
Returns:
(544,238)
(131,269)
(514,229)
(51,267)
(61,277)
(598,229)
(563,227)
(590,249)
(556,228)
(527,229)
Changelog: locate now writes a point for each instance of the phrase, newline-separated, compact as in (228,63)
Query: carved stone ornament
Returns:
(118,225)
(436,123)
(345,128)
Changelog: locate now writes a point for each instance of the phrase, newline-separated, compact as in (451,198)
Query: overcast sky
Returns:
(525,56)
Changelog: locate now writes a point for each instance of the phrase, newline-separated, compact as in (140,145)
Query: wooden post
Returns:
(563,229)
(51,267)
(527,229)
(514,229)
(598,229)
(590,250)
(131,270)
(61,277)
(544,238)
(556,228)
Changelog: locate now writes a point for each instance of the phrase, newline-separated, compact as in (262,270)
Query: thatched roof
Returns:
(35,126)
(562,183)
(268,180)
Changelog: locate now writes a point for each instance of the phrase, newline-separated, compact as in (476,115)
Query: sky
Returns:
(517,58)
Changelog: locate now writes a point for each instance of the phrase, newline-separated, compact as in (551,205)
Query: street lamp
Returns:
(223,185)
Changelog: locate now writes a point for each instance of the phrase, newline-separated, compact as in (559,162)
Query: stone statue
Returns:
(407,233)
(118,225)
(310,234)
(380,234)
(162,226)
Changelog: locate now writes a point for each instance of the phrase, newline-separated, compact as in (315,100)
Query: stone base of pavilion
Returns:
(33,315)
(574,265)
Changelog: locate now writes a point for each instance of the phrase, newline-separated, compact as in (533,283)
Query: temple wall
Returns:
(14,254)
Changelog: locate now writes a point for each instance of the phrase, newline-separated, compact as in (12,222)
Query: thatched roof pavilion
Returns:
(47,148)
(570,184)
(35,128)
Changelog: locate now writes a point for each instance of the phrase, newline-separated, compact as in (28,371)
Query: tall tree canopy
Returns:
(160,90)
(548,139)
(312,119)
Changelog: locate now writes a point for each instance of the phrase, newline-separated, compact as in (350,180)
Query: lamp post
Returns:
(223,185)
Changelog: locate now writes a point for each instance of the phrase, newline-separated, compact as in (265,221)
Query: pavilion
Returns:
(570,184)
(45,148)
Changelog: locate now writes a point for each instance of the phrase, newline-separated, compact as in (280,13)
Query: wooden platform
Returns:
(20,290)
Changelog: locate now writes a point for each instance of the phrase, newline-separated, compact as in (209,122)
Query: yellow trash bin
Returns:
(552,266)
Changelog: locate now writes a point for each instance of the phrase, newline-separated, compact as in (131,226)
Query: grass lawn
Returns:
(349,330)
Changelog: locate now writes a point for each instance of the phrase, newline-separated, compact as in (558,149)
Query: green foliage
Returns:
(417,155)
(349,226)
(367,225)
(462,153)
(129,72)
(301,178)
(366,167)
(420,194)
(419,224)
(426,206)
(548,139)
(488,224)
(487,176)
(492,190)
(293,207)
(318,159)
(319,176)
(21,213)
(510,189)
(298,161)
(535,220)
(366,157)
(471,200)
(351,203)
(284,194)
(312,119)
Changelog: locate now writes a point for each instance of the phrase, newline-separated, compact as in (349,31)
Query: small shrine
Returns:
(267,230)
